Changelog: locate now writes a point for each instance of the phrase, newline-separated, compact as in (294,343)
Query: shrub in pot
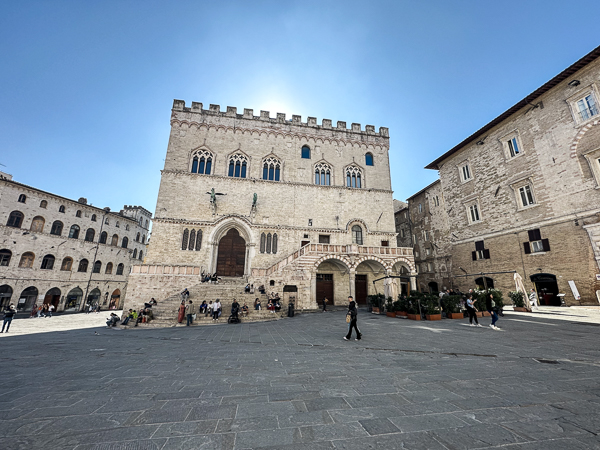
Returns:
(376,301)
(401,306)
(518,300)
(451,304)
(432,309)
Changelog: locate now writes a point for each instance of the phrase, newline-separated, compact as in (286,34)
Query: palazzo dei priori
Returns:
(304,209)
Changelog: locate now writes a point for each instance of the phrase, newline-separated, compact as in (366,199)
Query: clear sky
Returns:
(86,87)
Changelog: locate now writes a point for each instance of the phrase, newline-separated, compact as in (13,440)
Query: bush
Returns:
(430,304)
(517,298)
(401,304)
(377,300)
(389,304)
(482,296)
(451,303)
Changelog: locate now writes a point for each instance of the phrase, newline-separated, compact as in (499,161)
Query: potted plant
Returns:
(390,309)
(451,306)
(479,297)
(401,306)
(413,311)
(517,298)
(376,301)
(432,308)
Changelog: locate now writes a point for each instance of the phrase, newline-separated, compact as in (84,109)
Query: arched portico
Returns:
(230,230)
(366,272)
(332,279)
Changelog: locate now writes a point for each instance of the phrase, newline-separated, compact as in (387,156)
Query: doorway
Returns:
(547,288)
(231,258)
(27,299)
(115,299)
(325,287)
(53,298)
(360,289)
(481,285)
(5,296)
(433,287)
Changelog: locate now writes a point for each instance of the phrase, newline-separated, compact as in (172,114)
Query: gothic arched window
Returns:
(134,253)
(238,164)
(198,240)
(269,242)
(353,177)
(271,169)
(274,247)
(141,255)
(202,162)
(323,174)
(263,242)
(357,237)
(192,242)
(184,240)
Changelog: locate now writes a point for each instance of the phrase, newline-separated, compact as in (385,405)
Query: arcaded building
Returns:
(64,252)
(298,207)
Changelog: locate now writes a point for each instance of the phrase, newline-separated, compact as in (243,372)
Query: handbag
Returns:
(348,318)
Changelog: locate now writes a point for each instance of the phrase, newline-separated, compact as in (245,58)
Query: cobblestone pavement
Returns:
(295,384)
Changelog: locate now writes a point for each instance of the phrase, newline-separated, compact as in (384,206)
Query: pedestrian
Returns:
(492,309)
(216,309)
(324,304)
(181,314)
(39,311)
(189,311)
(209,309)
(353,312)
(44,309)
(533,300)
(472,311)
(9,313)
(33,311)
(50,309)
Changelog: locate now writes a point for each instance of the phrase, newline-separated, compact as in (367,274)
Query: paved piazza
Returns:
(295,384)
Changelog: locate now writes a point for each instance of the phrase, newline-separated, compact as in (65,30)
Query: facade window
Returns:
(5,256)
(271,169)
(93,217)
(15,219)
(192,240)
(184,240)
(78,213)
(238,164)
(103,237)
(369,159)
(126,227)
(268,243)
(137,238)
(37,224)
(27,260)
(416,253)
(480,251)
(106,221)
(109,268)
(134,253)
(429,267)
(357,237)
(83,265)
(43,204)
(536,244)
(474,216)
(465,173)
(385,243)
(141,255)
(22,198)
(89,235)
(74,232)
(120,268)
(97,267)
(427,251)
(436,201)
(324,239)
(125,242)
(115,240)
(420,207)
(202,162)
(402,233)
(306,152)
(513,147)
(143,238)
(47,262)
(67,264)
(118,225)
(586,107)
(263,242)
(274,247)
(526,196)
(323,174)
(57,227)
(198,240)
(61,209)
(353,177)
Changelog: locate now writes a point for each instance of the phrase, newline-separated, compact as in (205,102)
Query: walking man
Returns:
(353,312)
(490,305)
(50,309)
(533,300)
(9,313)
(189,311)
(324,304)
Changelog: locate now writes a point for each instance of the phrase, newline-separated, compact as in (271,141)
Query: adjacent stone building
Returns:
(523,193)
(295,206)
(60,251)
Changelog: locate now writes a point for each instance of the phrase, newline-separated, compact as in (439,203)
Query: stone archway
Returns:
(231,255)
(53,297)
(368,270)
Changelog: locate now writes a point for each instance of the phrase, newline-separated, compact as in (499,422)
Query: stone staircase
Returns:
(165,312)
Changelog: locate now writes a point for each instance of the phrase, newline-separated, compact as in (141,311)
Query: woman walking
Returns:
(472,311)
(490,305)
(181,314)
(353,312)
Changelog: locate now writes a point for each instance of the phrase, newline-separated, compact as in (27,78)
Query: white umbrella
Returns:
(521,287)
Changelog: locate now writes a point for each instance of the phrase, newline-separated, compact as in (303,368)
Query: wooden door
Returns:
(325,288)
(231,258)
(360,289)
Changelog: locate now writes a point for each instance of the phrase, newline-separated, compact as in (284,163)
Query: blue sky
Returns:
(86,88)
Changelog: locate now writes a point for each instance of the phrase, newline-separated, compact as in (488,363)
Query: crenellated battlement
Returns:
(265,116)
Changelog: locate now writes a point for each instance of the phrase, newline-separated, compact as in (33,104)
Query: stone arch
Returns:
(580,135)
(386,265)
(227,223)
(405,262)
(324,258)
(356,221)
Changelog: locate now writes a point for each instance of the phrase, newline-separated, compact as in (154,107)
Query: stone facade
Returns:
(46,240)
(292,200)
(523,193)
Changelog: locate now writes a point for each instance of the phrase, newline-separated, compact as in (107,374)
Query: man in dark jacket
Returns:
(353,312)
(9,313)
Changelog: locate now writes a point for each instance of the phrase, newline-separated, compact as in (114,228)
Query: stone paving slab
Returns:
(295,384)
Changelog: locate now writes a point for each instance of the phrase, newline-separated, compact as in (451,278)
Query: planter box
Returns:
(414,316)
(391,314)
(486,314)
(433,316)
(401,313)
(520,308)
(376,310)
(455,315)
(479,314)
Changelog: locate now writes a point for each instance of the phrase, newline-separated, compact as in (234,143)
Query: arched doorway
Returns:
(5,296)
(73,301)
(433,287)
(94,297)
(27,299)
(488,284)
(366,272)
(547,288)
(332,281)
(231,258)
(115,299)
(401,270)
(53,297)
(290,294)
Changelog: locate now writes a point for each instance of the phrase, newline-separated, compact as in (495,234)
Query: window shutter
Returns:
(527,248)
(474,256)
(546,245)
(486,253)
(534,235)
(479,245)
